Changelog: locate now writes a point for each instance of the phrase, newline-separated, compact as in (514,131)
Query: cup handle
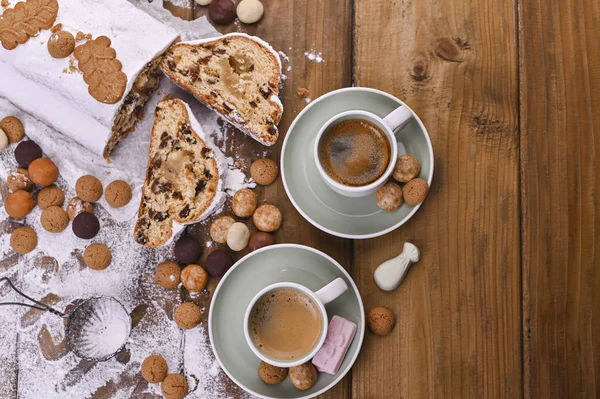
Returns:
(398,118)
(332,290)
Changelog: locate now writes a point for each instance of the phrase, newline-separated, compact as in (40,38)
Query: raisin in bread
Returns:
(182,179)
(236,75)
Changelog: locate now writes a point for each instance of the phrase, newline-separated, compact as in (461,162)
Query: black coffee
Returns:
(355,152)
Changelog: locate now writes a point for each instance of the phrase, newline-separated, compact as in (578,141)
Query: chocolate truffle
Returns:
(54,219)
(174,386)
(238,236)
(222,12)
(304,376)
(118,194)
(187,250)
(381,321)
(43,171)
(88,188)
(260,240)
(77,206)
(27,152)
(389,197)
(155,369)
(23,240)
(270,374)
(264,171)
(13,128)
(244,203)
(86,225)
(19,204)
(218,262)
(219,228)
(19,180)
(50,196)
(168,275)
(61,44)
(97,256)
(415,191)
(407,168)
(194,278)
(187,315)
(267,218)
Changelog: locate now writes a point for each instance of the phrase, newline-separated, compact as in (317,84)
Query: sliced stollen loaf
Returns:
(183,179)
(236,75)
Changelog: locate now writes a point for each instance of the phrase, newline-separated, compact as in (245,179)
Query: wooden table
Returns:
(505,301)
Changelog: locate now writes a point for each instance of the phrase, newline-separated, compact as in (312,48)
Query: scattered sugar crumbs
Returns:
(4,3)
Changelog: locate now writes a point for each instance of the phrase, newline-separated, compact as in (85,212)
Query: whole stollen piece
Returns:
(390,273)
(183,180)
(136,42)
(236,75)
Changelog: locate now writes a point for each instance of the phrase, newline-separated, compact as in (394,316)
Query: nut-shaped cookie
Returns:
(168,275)
(219,228)
(407,168)
(77,206)
(263,171)
(154,369)
(97,256)
(244,203)
(13,128)
(19,180)
(50,196)
(23,240)
(19,204)
(61,44)
(89,188)
(270,374)
(187,315)
(415,191)
(381,321)
(118,194)
(267,218)
(194,278)
(54,219)
(43,171)
(389,197)
(303,376)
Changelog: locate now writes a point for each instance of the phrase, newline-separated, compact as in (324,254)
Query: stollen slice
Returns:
(236,75)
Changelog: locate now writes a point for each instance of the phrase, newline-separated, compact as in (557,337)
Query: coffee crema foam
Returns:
(355,152)
(285,324)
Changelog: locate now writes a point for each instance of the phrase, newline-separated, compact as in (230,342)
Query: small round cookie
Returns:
(187,250)
(218,229)
(61,44)
(77,206)
(381,321)
(415,191)
(88,188)
(260,239)
(238,236)
(43,171)
(304,376)
(244,203)
(19,180)
(194,278)
(407,168)
(50,196)
(13,128)
(86,225)
(3,140)
(389,197)
(54,219)
(23,240)
(97,256)
(270,374)
(263,171)
(118,194)
(19,204)
(218,262)
(155,369)
(168,275)
(27,152)
(267,218)
(174,386)
(187,315)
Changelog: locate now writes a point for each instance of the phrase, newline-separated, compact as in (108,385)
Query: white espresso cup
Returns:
(395,120)
(321,298)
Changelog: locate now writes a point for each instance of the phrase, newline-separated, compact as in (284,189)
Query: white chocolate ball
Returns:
(238,236)
(250,11)
(203,2)
(3,140)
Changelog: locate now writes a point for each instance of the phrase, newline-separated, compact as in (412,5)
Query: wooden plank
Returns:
(560,119)
(459,310)
(295,27)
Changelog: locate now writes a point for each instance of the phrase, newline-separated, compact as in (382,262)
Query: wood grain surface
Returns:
(560,140)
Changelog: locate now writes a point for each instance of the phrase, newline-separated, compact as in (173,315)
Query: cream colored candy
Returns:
(203,2)
(250,11)
(238,236)
(390,273)
(3,140)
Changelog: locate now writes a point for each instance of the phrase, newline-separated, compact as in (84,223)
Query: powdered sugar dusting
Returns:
(312,55)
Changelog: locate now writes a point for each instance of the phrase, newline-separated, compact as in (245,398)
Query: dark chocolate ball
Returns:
(222,11)
(86,225)
(218,262)
(187,250)
(260,240)
(27,152)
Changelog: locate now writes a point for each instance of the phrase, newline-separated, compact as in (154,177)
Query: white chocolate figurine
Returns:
(390,273)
